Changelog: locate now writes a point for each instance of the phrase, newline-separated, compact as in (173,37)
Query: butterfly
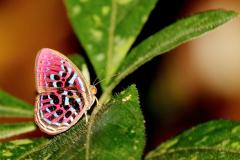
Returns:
(63,93)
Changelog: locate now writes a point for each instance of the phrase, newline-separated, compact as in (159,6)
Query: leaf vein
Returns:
(110,38)
(193,149)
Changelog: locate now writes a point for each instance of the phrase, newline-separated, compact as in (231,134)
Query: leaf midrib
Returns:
(17,130)
(108,66)
(110,38)
(194,149)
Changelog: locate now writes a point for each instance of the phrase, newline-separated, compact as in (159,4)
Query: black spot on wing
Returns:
(52,108)
(66,107)
(54,98)
(63,99)
(59,84)
(64,74)
(76,106)
(61,120)
(68,79)
(70,93)
(56,77)
(59,112)
(65,68)
(51,117)
(45,97)
(45,103)
(71,101)
(60,91)
(74,116)
(50,84)
(68,114)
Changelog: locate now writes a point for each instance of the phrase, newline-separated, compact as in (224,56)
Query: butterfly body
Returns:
(64,95)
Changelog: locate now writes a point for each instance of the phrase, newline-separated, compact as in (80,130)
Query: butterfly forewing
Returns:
(64,94)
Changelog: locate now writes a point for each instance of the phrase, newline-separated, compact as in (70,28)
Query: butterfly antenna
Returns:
(94,81)
(106,79)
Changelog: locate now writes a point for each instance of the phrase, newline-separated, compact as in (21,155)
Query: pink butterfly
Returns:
(63,93)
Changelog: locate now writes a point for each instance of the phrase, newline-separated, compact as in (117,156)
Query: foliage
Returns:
(107,29)
(107,136)
(13,107)
(214,140)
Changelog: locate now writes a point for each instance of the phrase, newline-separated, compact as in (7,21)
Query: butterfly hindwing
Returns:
(60,109)
(64,94)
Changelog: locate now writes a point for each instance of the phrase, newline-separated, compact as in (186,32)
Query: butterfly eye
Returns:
(93,90)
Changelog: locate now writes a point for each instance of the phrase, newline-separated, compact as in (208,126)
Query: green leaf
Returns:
(14,149)
(215,140)
(115,131)
(80,62)
(169,38)
(107,29)
(9,130)
(13,107)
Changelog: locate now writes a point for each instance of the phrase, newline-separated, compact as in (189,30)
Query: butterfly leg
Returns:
(89,108)
(86,117)
(97,101)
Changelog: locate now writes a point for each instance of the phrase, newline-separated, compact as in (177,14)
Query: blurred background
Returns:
(197,82)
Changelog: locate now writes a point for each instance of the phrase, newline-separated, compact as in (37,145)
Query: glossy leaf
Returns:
(115,131)
(107,29)
(9,130)
(216,140)
(13,107)
(80,62)
(171,37)
(15,149)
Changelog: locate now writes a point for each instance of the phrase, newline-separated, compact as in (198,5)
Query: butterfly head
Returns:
(93,90)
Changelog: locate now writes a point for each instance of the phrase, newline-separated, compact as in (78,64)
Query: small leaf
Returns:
(107,29)
(116,131)
(14,149)
(80,62)
(9,130)
(171,37)
(215,140)
(13,107)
